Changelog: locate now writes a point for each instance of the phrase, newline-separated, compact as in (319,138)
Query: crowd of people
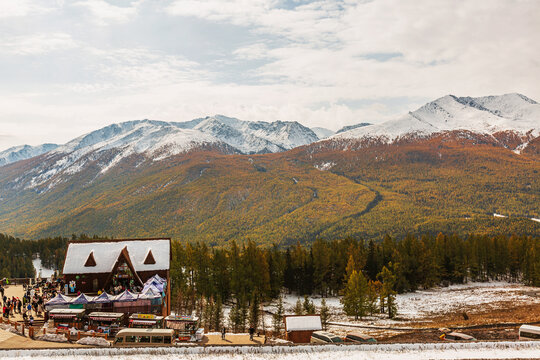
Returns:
(32,303)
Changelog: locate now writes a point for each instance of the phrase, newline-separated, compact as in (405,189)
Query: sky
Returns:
(70,67)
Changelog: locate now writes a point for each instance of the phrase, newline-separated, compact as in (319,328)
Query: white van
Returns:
(529,332)
(144,337)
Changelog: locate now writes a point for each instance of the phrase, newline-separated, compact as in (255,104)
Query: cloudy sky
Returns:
(69,67)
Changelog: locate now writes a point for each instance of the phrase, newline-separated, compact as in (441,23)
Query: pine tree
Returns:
(254,311)
(388,279)
(277,319)
(217,318)
(299,308)
(372,268)
(243,312)
(374,289)
(355,295)
(208,313)
(325,314)
(308,306)
(234,317)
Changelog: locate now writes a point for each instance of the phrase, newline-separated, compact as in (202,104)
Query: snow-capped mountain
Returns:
(322,133)
(105,148)
(484,115)
(23,152)
(254,137)
(151,140)
(350,127)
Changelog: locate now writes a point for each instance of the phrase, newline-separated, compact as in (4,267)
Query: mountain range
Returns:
(448,166)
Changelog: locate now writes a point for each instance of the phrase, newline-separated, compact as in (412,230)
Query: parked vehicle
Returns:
(144,337)
(358,337)
(455,336)
(529,332)
(324,337)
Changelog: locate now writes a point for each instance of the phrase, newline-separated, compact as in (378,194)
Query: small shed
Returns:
(300,327)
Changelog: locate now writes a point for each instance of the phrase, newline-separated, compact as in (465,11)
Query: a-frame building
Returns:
(105,264)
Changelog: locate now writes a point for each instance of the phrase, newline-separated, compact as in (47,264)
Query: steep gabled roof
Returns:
(105,254)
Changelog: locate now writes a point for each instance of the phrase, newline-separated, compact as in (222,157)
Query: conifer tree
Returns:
(277,319)
(254,312)
(388,280)
(308,306)
(299,308)
(234,317)
(355,295)
(374,289)
(325,314)
(217,318)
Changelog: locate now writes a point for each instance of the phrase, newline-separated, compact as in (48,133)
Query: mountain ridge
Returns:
(147,178)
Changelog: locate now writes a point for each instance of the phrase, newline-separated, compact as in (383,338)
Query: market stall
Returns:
(105,322)
(185,327)
(148,321)
(67,318)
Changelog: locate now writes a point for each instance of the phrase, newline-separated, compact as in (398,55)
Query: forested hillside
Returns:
(452,184)
(16,255)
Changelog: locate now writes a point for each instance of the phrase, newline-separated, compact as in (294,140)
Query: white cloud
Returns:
(252,52)
(35,44)
(104,13)
(308,60)
(20,8)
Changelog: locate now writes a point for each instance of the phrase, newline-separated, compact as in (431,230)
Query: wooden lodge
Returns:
(116,265)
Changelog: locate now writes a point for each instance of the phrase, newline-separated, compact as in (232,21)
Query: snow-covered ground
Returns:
(422,305)
(40,271)
(480,350)
(439,300)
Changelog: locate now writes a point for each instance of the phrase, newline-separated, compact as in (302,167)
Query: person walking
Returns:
(251,333)
(223,332)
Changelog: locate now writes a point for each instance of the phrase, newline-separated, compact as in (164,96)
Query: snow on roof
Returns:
(302,323)
(106,253)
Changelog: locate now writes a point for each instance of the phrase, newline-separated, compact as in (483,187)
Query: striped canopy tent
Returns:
(81,299)
(157,287)
(149,294)
(103,298)
(126,296)
(59,299)
(159,279)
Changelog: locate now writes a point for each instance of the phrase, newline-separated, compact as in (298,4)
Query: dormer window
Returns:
(149,258)
(90,261)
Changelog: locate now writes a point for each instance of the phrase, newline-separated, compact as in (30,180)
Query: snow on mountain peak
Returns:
(251,137)
(157,140)
(485,115)
(23,152)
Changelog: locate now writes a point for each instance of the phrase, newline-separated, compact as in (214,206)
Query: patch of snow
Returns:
(23,152)
(325,166)
(535,219)
(322,133)
(499,215)
(94,341)
(52,337)
(41,271)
